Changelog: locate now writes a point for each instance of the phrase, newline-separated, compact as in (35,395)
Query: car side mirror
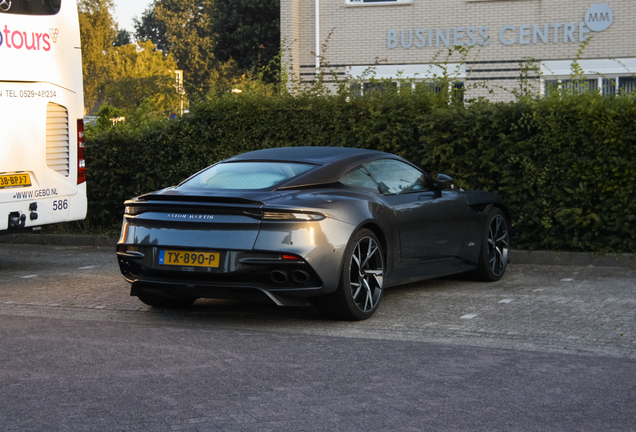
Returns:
(444,182)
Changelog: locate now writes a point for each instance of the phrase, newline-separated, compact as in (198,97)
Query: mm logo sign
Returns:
(599,17)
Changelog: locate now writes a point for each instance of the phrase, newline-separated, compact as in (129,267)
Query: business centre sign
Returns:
(598,18)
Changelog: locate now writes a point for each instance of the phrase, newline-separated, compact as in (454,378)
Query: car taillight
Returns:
(269,215)
(127,248)
(81,154)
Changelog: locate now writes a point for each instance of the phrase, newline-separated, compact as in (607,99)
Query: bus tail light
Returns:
(81,154)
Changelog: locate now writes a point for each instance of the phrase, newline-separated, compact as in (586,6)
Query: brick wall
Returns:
(359,34)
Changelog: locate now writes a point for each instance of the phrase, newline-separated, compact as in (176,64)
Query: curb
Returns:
(579,259)
(60,240)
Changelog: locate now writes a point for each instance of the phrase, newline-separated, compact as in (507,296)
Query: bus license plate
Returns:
(10,180)
(191,259)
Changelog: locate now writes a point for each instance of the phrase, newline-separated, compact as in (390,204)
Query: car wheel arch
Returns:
(504,209)
(375,229)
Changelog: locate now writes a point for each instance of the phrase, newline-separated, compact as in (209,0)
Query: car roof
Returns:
(334,161)
(314,155)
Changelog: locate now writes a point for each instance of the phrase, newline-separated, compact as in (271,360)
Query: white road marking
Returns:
(468,316)
(86,268)
(29,276)
(538,290)
(506,301)
(567,280)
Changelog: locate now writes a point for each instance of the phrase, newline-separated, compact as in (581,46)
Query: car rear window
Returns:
(360,178)
(245,175)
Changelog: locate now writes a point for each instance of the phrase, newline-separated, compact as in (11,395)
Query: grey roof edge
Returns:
(580,259)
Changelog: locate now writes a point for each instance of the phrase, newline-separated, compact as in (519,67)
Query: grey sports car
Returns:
(328,226)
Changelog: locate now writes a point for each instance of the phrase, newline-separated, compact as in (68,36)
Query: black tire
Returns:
(361,280)
(493,257)
(164,302)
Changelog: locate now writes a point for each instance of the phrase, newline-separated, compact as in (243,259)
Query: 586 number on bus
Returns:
(60,205)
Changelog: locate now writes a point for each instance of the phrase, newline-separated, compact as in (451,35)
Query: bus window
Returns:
(30,7)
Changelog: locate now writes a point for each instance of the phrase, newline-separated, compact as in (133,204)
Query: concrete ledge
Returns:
(580,259)
(60,239)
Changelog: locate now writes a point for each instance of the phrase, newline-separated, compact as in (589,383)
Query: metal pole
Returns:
(317,36)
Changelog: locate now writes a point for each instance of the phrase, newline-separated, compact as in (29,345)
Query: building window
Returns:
(606,76)
(456,89)
(358,90)
(376,2)
(624,85)
(607,86)
(370,87)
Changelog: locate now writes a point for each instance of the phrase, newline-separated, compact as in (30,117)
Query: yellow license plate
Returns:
(189,259)
(10,180)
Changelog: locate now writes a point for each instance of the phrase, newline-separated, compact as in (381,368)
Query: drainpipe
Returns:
(317,36)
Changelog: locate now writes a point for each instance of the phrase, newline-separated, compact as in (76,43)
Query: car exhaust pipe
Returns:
(279,276)
(300,276)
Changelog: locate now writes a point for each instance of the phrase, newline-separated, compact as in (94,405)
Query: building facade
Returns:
(500,39)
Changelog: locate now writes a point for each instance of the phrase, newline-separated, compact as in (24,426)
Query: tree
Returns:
(149,28)
(97,31)
(247,31)
(182,28)
(141,75)
(124,37)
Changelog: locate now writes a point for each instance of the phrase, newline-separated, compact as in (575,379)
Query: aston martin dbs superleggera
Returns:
(328,226)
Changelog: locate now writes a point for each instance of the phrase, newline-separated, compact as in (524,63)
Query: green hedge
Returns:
(566,165)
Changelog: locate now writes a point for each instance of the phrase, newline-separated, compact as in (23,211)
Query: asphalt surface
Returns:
(547,348)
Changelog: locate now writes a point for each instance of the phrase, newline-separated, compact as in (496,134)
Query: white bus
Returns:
(42,167)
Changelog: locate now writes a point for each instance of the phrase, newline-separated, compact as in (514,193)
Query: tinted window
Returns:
(246,175)
(359,177)
(30,7)
(394,177)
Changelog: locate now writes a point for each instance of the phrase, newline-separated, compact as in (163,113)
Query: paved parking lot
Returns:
(554,308)
(544,349)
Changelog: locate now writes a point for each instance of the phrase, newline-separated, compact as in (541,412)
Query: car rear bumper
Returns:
(237,292)
(250,254)
(240,274)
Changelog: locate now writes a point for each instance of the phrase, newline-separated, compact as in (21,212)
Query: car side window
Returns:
(359,177)
(396,177)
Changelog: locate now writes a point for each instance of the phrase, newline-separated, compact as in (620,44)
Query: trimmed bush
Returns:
(566,164)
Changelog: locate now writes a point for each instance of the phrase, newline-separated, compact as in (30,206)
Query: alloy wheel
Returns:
(366,274)
(498,240)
